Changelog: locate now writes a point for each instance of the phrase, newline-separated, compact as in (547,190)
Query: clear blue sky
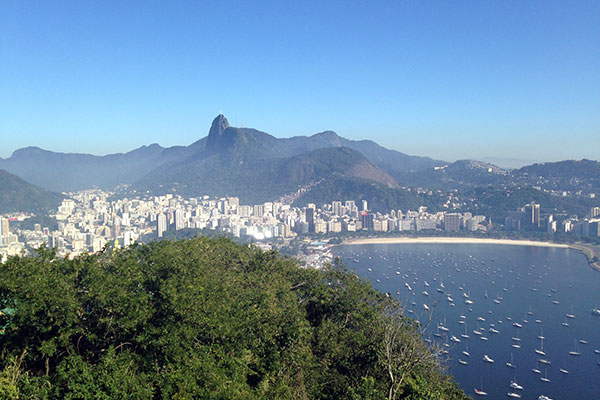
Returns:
(446,79)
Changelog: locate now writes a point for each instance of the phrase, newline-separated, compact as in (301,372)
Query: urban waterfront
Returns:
(528,309)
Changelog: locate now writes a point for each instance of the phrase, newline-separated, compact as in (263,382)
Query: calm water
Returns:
(534,287)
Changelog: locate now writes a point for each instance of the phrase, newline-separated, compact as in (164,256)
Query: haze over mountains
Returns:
(257,166)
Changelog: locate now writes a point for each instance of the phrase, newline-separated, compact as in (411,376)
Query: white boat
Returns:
(455,339)
(425,307)
(543,397)
(517,325)
(575,351)
(545,377)
(564,371)
(596,311)
(480,392)
(541,351)
(462,362)
(510,363)
(544,361)
(513,394)
(487,358)
(515,385)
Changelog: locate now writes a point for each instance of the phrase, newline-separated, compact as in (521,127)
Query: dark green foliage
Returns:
(496,202)
(16,195)
(202,318)
(562,175)
(380,197)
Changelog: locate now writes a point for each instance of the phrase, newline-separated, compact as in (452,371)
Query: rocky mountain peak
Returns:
(219,125)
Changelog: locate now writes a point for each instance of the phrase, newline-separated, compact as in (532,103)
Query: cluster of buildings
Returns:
(90,220)
(530,218)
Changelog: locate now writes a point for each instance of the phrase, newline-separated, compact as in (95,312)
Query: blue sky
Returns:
(512,81)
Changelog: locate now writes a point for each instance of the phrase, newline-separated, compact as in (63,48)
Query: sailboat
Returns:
(516,339)
(515,385)
(545,377)
(541,350)
(466,350)
(564,370)
(576,351)
(536,370)
(541,334)
(464,335)
(480,392)
(511,363)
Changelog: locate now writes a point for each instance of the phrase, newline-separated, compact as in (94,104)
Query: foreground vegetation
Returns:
(204,318)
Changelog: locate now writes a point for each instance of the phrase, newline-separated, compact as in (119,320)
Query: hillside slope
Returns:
(205,319)
(16,195)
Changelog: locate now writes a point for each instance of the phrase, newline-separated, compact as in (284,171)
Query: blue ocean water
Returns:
(510,295)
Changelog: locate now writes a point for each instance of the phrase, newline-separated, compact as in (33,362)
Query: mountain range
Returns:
(257,166)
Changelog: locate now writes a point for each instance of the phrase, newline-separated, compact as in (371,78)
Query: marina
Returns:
(509,324)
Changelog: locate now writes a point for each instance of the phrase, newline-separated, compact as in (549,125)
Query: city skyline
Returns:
(437,80)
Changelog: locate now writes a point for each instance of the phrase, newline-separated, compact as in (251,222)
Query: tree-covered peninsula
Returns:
(204,319)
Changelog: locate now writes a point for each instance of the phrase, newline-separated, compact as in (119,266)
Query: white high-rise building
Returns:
(179,219)
(161,224)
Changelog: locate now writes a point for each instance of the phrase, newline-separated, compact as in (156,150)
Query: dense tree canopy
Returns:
(204,318)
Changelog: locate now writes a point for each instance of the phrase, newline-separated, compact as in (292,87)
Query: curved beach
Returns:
(455,240)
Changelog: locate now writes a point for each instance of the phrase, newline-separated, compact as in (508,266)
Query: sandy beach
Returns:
(455,240)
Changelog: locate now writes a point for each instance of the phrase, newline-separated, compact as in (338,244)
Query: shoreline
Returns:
(589,251)
(452,240)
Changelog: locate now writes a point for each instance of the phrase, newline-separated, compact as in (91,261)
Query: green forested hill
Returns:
(16,195)
(204,319)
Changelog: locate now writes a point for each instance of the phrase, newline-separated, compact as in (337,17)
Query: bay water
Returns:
(500,301)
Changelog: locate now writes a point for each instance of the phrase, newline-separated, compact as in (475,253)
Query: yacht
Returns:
(480,392)
(487,358)
(515,385)
(541,351)
(545,377)
(596,311)
(510,363)
(575,351)
(462,362)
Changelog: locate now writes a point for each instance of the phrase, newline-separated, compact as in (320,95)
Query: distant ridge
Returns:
(217,163)
(257,166)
